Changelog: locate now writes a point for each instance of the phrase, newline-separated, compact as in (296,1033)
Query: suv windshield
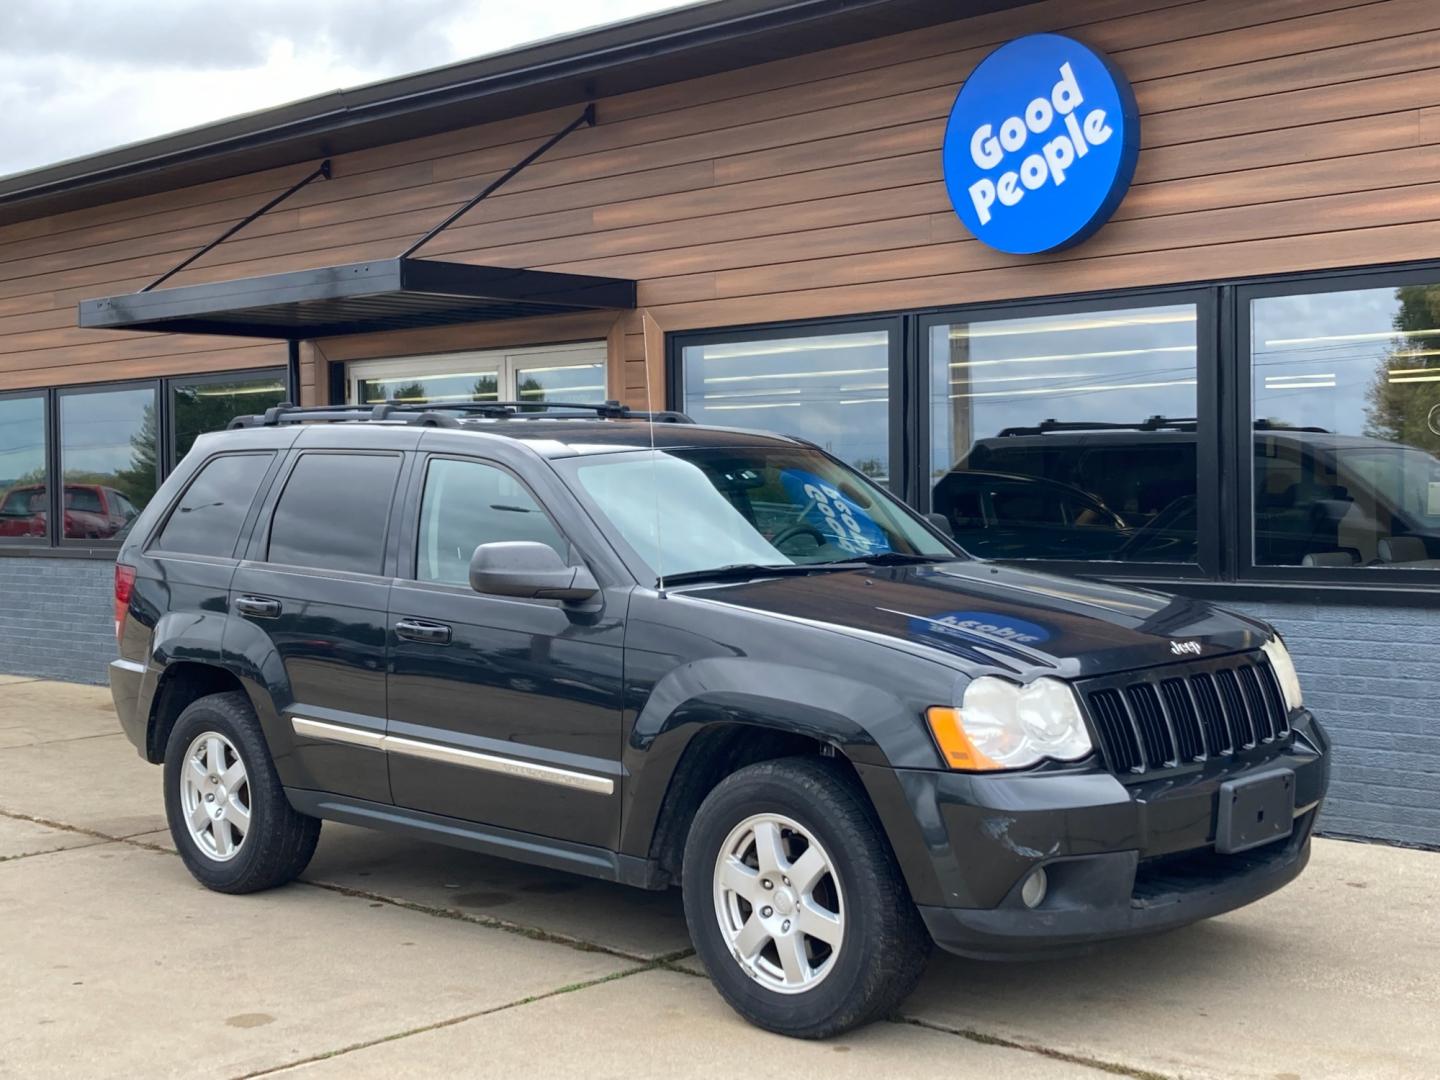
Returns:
(691,511)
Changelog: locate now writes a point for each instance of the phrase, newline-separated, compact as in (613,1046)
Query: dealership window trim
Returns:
(1226,568)
(56,545)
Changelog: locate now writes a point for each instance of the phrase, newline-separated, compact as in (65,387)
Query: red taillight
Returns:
(124,586)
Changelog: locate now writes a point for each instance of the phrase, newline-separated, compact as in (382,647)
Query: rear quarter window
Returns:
(208,517)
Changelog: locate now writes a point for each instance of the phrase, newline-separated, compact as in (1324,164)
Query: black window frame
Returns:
(895,325)
(57,492)
(1241,446)
(58,546)
(1208,564)
(1226,569)
(47,446)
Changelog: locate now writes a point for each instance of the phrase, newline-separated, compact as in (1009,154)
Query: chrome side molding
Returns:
(341,733)
(452,755)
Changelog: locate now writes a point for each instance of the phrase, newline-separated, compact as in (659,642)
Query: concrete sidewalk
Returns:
(393,958)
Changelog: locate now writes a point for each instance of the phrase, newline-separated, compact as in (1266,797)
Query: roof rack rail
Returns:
(1153,423)
(442,415)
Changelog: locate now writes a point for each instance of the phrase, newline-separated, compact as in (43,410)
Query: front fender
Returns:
(874,730)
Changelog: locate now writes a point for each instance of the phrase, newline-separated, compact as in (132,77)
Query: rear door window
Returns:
(208,517)
(334,512)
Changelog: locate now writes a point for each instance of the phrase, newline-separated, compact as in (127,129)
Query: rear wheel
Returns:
(795,903)
(228,814)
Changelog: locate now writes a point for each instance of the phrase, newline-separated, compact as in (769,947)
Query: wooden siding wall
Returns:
(1276,135)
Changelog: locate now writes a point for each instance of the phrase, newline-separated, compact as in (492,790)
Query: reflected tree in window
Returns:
(1404,396)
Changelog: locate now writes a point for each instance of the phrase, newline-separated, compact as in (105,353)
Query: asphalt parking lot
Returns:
(393,958)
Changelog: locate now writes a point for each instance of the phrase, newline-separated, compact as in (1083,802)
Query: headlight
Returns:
(1284,669)
(1003,726)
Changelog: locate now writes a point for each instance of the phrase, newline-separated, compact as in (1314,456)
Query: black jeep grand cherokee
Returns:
(722,660)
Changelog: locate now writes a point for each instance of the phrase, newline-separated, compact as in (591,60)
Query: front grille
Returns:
(1177,714)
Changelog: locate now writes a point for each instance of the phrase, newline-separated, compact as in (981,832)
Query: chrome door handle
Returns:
(426,633)
(258,607)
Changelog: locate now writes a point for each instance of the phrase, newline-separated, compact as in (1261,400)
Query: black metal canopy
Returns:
(385,294)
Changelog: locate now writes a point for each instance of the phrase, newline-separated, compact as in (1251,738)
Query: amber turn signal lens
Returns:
(955,745)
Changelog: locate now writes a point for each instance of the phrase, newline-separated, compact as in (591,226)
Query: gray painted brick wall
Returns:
(57,618)
(1371,674)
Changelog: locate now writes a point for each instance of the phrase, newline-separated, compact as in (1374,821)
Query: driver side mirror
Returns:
(528,569)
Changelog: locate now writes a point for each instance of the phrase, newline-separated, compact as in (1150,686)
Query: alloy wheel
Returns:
(779,903)
(215,796)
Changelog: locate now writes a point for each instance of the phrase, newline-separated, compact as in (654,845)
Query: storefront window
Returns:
(23,503)
(1067,436)
(428,389)
(550,373)
(580,383)
(108,454)
(1346,410)
(203,405)
(832,389)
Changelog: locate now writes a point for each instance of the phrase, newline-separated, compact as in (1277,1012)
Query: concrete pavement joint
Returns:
(449,1022)
(128,838)
(489,922)
(15,815)
(52,851)
(981,1037)
(53,742)
(492,923)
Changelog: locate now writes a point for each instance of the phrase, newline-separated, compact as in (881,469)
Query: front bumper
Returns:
(1120,858)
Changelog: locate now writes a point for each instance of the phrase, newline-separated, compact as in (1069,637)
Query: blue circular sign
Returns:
(1041,144)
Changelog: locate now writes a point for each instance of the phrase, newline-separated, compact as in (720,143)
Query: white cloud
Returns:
(79,76)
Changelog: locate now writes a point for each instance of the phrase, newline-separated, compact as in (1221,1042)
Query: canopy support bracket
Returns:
(585,119)
(322,171)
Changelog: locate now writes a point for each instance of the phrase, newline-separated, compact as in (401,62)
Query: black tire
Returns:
(884,945)
(278,842)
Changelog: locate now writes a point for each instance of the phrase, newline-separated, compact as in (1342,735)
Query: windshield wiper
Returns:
(740,571)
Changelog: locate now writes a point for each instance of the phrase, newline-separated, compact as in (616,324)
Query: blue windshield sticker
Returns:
(842,521)
(968,625)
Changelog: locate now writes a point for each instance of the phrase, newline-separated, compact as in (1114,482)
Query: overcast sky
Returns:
(77,76)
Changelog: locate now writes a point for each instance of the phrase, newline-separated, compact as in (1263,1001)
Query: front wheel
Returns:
(228,813)
(795,903)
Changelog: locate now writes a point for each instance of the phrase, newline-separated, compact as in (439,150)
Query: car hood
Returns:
(1000,617)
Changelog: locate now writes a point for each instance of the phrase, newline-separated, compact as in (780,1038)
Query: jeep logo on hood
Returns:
(1185,648)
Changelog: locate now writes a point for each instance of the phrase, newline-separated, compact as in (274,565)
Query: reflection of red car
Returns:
(92,512)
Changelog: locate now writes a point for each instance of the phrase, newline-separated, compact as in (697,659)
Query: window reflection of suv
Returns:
(663,654)
(1126,492)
